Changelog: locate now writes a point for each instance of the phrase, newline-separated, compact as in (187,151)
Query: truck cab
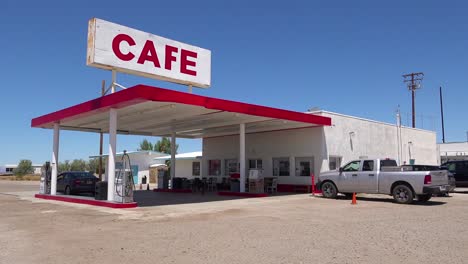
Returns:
(361,175)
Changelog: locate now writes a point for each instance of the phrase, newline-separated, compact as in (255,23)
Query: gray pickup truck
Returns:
(383,176)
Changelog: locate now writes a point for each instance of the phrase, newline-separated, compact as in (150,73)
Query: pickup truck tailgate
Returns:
(439,177)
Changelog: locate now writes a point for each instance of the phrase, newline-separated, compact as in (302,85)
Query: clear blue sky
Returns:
(341,56)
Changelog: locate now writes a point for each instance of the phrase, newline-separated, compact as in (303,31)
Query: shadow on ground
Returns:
(390,200)
(150,198)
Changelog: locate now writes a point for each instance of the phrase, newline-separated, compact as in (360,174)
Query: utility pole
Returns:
(413,81)
(442,114)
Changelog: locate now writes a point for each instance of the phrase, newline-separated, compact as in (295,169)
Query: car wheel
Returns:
(329,190)
(403,194)
(424,197)
(67,190)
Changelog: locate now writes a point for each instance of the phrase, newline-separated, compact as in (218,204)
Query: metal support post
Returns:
(173,160)
(242,157)
(55,152)
(112,154)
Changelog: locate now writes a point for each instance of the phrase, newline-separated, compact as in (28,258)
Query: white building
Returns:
(453,151)
(188,165)
(140,162)
(294,154)
(9,168)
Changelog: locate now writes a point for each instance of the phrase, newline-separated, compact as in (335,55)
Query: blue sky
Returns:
(341,56)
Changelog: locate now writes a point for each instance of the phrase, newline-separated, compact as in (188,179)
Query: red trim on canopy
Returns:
(141,93)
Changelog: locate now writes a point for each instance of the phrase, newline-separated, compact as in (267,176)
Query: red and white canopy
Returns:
(152,111)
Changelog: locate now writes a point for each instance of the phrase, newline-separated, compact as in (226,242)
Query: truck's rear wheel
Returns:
(424,197)
(403,194)
(329,190)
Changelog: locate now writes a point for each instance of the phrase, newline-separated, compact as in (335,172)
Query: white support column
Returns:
(242,157)
(112,154)
(173,160)
(54,163)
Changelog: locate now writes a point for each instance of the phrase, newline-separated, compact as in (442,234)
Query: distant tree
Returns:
(145,145)
(93,165)
(24,167)
(64,166)
(78,165)
(164,146)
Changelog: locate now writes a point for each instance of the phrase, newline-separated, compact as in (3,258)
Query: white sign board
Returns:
(112,46)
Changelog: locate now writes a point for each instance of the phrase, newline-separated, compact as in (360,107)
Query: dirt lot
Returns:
(282,229)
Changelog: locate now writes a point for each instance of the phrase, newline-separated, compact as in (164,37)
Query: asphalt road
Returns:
(281,229)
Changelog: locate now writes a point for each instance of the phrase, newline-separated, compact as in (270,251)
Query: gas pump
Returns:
(123,191)
(46,172)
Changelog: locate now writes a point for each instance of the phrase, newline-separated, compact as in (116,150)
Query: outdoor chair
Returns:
(212,184)
(273,186)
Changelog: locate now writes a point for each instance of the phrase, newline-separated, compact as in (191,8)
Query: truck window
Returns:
(368,165)
(352,166)
(388,163)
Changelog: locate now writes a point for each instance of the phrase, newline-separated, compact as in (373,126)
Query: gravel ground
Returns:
(281,229)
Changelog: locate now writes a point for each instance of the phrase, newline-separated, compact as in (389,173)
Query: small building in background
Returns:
(453,151)
(140,162)
(9,168)
(188,165)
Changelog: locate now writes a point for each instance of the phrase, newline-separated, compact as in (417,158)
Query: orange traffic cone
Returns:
(354,199)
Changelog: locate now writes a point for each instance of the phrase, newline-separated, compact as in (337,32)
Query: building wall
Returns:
(453,151)
(266,146)
(369,139)
(184,168)
(352,137)
(143,161)
(37,170)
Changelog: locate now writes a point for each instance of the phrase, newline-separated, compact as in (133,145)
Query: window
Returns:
(230,166)
(255,164)
(280,166)
(9,170)
(352,166)
(461,167)
(388,163)
(196,168)
(60,177)
(368,165)
(214,167)
(334,162)
(304,166)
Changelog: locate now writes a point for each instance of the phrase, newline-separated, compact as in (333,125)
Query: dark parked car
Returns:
(72,182)
(459,168)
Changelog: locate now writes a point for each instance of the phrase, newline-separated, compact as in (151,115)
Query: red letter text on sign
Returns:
(116,46)
(184,62)
(169,57)
(148,53)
